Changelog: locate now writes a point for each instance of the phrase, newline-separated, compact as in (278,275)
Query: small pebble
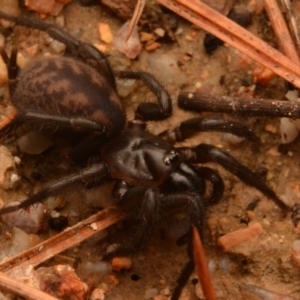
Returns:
(65,284)
(198,291)
(14,178)
(120,263)
(288,131)
(152,46)
(30,220)
(224,264)
(97,294)
(57,46)
(17,160)
(54,202)
(146,37)
(292,95)
(33,143)
(105,33)
(271,128)
(159,32)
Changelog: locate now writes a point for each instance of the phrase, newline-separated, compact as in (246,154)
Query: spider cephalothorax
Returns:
(154,179)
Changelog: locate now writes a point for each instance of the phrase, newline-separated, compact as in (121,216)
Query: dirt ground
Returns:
(264,261)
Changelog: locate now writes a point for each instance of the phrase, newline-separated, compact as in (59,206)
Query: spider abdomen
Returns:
(62,86)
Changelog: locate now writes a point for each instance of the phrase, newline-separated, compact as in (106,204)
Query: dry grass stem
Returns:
(16,287)
(281,31)
(229,4)
(202,268)
(286,4)
(135,17)
(64,240)
(236,36)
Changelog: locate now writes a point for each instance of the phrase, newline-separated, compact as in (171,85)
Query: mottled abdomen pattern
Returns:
(66,87)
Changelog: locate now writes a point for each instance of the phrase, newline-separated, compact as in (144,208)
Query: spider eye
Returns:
(171,158)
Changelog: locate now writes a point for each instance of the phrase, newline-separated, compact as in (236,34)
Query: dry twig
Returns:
(22,289)
(236,36)
(240,106)
(64,240)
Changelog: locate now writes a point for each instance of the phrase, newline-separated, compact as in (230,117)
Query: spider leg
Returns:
(12,68)
(217,184)
(84,51)
(142,204)
(81,124)
(192,126)
(90,174)
(196,208)
(151,208)
(150,111)
(205,153)
(185,274)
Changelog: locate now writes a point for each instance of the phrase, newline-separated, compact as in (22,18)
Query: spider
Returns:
(154,180)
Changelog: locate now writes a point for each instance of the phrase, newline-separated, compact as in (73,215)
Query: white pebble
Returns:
(30,220)
(57,46)
(99,267)
(160,32)
(288,131)
(14,178)
(17,160)
(33,143)
(224,264)
(132,47)
(97,294)
(54,214)
(198,291)
(292,95)
(211,265)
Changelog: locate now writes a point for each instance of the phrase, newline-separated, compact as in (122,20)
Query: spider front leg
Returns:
(205,153)
(12,68)
(192,126)
(87,176)
(150,111)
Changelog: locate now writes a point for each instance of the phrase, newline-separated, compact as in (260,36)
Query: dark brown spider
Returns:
(153,179)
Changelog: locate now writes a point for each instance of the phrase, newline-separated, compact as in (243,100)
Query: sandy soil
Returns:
(263,261)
